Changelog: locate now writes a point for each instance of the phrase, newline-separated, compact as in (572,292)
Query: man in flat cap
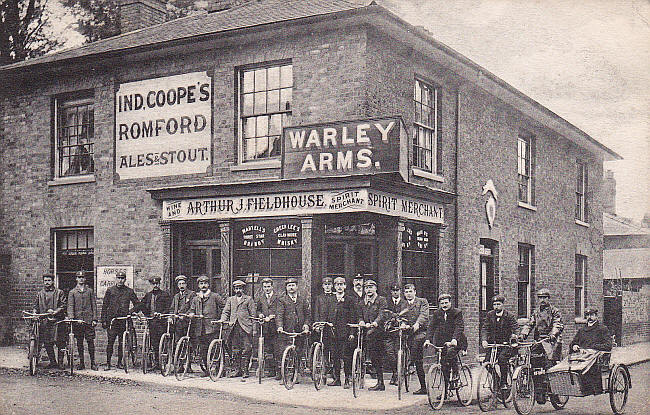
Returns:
(499,327)
(371,314)
(417,316)
(117,303)
(181,303)
(266,306)
(447,329)
(239,310)
(344,313)
(593,336)
(51,300)
(154,303)
(82,305)
(294,313)
(396,304)
(208,304)
(324,311)
(357,293)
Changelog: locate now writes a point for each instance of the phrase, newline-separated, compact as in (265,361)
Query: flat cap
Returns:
(395,287)
(267,279)
(238,283)
(327,279)
(80,274)
(180,278)
(368,283)
(543,293)
(120,274)
(358,277)
(290,280)
(203,278)
(154,280)
(339,279)
(444,296)
(591,310)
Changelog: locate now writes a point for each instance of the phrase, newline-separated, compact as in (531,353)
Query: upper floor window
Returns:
(526,279)
(426,131)
(581,192)
(75,137)
(581,277)
(265,96)
(526,169)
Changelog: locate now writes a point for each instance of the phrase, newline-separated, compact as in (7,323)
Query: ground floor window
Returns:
(526,279)
(420,259)
(268,248)
(580,278)
(74,251)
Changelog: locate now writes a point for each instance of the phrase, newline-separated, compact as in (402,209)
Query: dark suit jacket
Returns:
(116,303)
(441,330)
(292,316)
(324,307)
(596,337)
(181,303)
(417,312)
(210,307)
(357,301)
(499,332)
(162,302)
(371,312)
(266,307)
(396,308)
(344,314)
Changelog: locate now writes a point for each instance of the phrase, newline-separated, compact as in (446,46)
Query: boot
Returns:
(393,379)
(60,361)
(243,367)
(378,387)
(237,372)
(335,382)
(346,384)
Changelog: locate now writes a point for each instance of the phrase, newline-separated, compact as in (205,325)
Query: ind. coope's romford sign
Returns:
(163,126)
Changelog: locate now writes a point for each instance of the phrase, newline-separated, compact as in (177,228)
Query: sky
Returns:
(586,60)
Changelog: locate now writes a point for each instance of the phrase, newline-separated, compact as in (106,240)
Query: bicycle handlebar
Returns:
(321,324)
(193,315)
(30,315)
(70,320)
(359,326)
(497,345)
(294,334)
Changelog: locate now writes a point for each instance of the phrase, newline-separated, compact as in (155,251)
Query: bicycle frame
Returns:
(69,348)
(319,361)
(288,383)
(260,347)
(34,339)
(129,334)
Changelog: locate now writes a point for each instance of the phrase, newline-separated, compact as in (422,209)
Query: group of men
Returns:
(290,311)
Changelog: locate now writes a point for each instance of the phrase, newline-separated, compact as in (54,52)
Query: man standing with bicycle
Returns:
(344,313)
(180,305)
(238,312)
(117,301)
(417,316)
(396,304)
(208,304)
(293,313)
(154,303)
(82,305)
(371,313)
(51,300)
(324,311)
(500,327)
(447,329)
(267,305)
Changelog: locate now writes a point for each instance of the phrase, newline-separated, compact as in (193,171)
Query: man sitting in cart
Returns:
(594,336)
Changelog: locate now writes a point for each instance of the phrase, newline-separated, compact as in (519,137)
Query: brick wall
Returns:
(636,316)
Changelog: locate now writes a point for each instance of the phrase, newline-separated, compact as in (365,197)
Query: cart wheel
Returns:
(436,387)
(523,390)
(70,348)
(260,359)
(215,360)
(464,386)
(165,353)
(619,386)
(558,401)
(289,367)
(145,354)
(318,366)
(357,371)
(181,358)
(33,357)
(488,388)
(126,350)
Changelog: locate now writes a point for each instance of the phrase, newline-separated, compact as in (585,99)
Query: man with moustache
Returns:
(446,329)
(154,303)
(267,305)
(372,316)
(52,301)
(343,340)
(417,316)
(238,312)
(82,305)
(208,304)
(357,292)
(181,303)
(500,327)
(395,304)
(293,313)
(594,336)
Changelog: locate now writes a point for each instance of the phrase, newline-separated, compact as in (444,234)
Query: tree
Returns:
(22,30)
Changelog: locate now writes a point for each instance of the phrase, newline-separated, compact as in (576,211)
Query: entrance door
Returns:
(347,258)
(486,277)
(202,257)
(613,316)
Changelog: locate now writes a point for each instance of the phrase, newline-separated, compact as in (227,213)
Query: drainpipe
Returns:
(457,122)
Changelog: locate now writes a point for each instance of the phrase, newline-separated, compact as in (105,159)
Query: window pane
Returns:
(247,104)
(261,146)
(285,99)
(260,102)
(216,262)
(522,299)
(260,79)
(261,126)
(249,149)
(286,76)
(198,262)
(417,92)
(276,125)
(273,101)
(273,78)
(248,127)
(248,82)
(275,145)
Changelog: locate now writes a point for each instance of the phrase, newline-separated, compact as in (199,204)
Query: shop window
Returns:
(74,251)
(526,280)
(580,279)
(75,137)
(268,248)
(426,129)
(420,260)
(581,192)
(265,98)
(526,169)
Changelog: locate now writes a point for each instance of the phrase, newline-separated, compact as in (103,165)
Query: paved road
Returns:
(57,393)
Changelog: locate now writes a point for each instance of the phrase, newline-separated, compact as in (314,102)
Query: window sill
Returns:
(60,181)
(427,175)
(580,320)
(257,165)
(527,206)
(581,223)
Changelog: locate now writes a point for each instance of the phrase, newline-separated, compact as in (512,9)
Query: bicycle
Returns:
(403,356)
(34,351)
(184,352)
(129,342)
(490,388)
(319,362)
(68,350)
(261,357)
(527,381)
(358,360)
(291,364)
(148,353)
(439,383)
(217,354)
(166,347)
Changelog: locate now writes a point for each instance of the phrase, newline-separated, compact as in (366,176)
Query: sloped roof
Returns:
(617,225)
(252,13)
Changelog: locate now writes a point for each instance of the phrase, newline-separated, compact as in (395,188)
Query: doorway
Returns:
(486,278)
(350,250)
(202,257)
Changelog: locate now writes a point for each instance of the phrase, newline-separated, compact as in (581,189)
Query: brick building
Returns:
(290,138)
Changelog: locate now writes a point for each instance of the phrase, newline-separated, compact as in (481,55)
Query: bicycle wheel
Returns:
(558,401)
(357,372)
(488,387)
(215,360)
(260,359)
(180,357)
(400,373)
(464,387)
(32,356)
(505,395)
(618,385)
(523,390)
(318,366)
(407,368)
(146,349)
(289,367)
(70,348)
(165,354)
(436,387)
(126,350)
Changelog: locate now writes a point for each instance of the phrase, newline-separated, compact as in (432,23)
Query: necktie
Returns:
(445,316)
(153,302)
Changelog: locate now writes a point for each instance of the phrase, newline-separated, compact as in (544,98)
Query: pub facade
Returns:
(328,139)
